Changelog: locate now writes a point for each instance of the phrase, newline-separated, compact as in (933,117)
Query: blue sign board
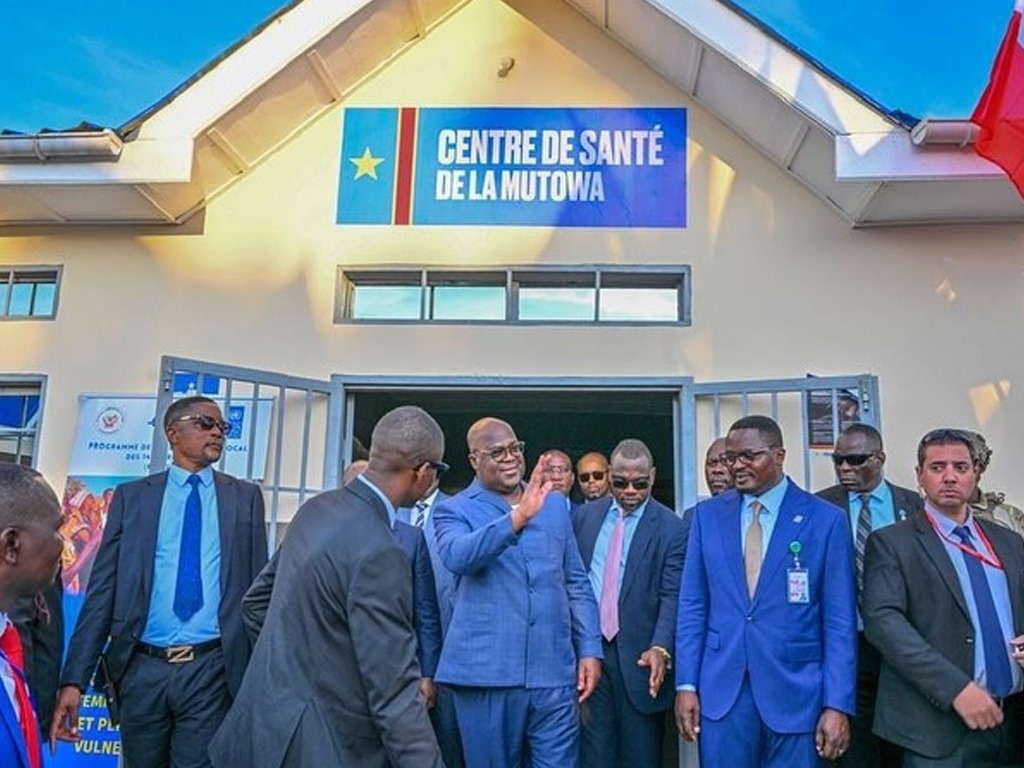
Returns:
(556,167)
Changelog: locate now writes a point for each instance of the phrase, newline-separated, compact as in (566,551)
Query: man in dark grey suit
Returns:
(872,503)
(334,678)
(943,599)
(179,550)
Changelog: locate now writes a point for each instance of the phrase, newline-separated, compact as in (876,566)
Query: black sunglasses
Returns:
(438,466)
(853,459)
(207,423)
(640,483)
(585,477)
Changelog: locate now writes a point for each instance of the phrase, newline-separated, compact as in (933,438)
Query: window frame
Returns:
(13,272)
(18,380)
(676,277)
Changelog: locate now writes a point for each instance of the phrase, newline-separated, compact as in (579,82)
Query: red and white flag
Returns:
(1000,112)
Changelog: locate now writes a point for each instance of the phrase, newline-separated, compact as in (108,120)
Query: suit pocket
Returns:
(802,652)
(713,641)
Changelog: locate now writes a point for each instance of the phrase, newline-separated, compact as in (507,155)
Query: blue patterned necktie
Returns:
(421,514)
(188,587)
(998,677)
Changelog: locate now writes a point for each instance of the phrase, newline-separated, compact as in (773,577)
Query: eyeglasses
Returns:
(438,466)
(745,457)
(207,423)
(586,477)
(639,483)
(515,450)
(853,459)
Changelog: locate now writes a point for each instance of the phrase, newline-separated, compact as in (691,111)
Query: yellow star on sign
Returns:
(367,164)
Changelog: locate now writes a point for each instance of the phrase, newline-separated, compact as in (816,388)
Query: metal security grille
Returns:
(811,411)
(289,411)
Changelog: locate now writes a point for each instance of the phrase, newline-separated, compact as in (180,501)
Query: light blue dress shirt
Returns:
(387,502)
(771,503)
(163,627)
(883,511)
(996,583)
(604,536)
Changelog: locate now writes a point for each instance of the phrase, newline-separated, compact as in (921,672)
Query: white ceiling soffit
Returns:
(211,132)
(851,155)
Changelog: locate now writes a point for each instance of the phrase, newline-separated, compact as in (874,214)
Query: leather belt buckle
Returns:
(180,654)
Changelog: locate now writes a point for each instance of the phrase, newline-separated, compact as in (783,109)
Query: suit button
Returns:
(750,618)
(969,640)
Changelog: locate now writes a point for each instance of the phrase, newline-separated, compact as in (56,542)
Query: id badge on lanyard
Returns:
(798,586)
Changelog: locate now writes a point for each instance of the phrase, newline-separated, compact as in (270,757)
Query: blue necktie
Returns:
(999,678)
(188,588)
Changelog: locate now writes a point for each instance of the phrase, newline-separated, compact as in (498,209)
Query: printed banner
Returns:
(112,446)
(555,167)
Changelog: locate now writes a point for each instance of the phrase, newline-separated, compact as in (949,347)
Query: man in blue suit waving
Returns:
(766,645)
(523,646)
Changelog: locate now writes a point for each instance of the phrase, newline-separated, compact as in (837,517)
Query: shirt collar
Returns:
(875,493)
(179,476)
(636,513)
(771,500)
(946,525)
(387,502)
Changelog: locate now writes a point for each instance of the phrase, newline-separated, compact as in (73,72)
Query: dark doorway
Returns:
(574,421)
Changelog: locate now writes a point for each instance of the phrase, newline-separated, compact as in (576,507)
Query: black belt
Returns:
(178,654)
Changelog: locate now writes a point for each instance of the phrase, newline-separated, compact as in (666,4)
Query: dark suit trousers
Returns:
(169,712)
(867,750)
(446,728)
(615,733)
(1000,746)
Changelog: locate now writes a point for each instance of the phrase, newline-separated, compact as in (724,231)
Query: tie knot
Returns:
(865,499)
(963,533)
(193,480)
(420,506)
(755,508)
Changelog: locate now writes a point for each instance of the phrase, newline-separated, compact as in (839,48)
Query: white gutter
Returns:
(962,133)
(84,146)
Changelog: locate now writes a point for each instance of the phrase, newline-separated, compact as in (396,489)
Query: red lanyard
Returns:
(989,557)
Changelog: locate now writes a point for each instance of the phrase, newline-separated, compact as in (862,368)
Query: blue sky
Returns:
(104,62)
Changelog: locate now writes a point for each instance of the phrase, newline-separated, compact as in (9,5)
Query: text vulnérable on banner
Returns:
(542,166)
(112,446)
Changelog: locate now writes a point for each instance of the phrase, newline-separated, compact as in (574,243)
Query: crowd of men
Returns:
(507,625)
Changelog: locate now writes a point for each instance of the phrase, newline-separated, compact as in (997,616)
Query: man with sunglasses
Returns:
(633,549)
(179,550)
(336,658)
(524,646)
(871,502)
(766,645)
(944,604)
(592,471)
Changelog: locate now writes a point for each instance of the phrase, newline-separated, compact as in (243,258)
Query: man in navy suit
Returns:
(30,547)
(766,646)
(872,502)
(442,714)
(179,550)
(524,645)
(633,549)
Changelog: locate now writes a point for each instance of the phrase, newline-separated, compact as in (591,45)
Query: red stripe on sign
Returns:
(406,157)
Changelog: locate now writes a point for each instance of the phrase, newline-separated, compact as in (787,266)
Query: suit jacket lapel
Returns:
(789,520)
(227,504)
(730,532)
(148,516)
(1012,568)
(637,558)
(591,527)
(9,721)
(936,552)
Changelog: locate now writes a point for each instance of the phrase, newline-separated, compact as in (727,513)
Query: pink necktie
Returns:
(610,582)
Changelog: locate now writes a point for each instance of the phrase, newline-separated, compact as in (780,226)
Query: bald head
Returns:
(24,496)
(496,455)
(30,541)
(405,438)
